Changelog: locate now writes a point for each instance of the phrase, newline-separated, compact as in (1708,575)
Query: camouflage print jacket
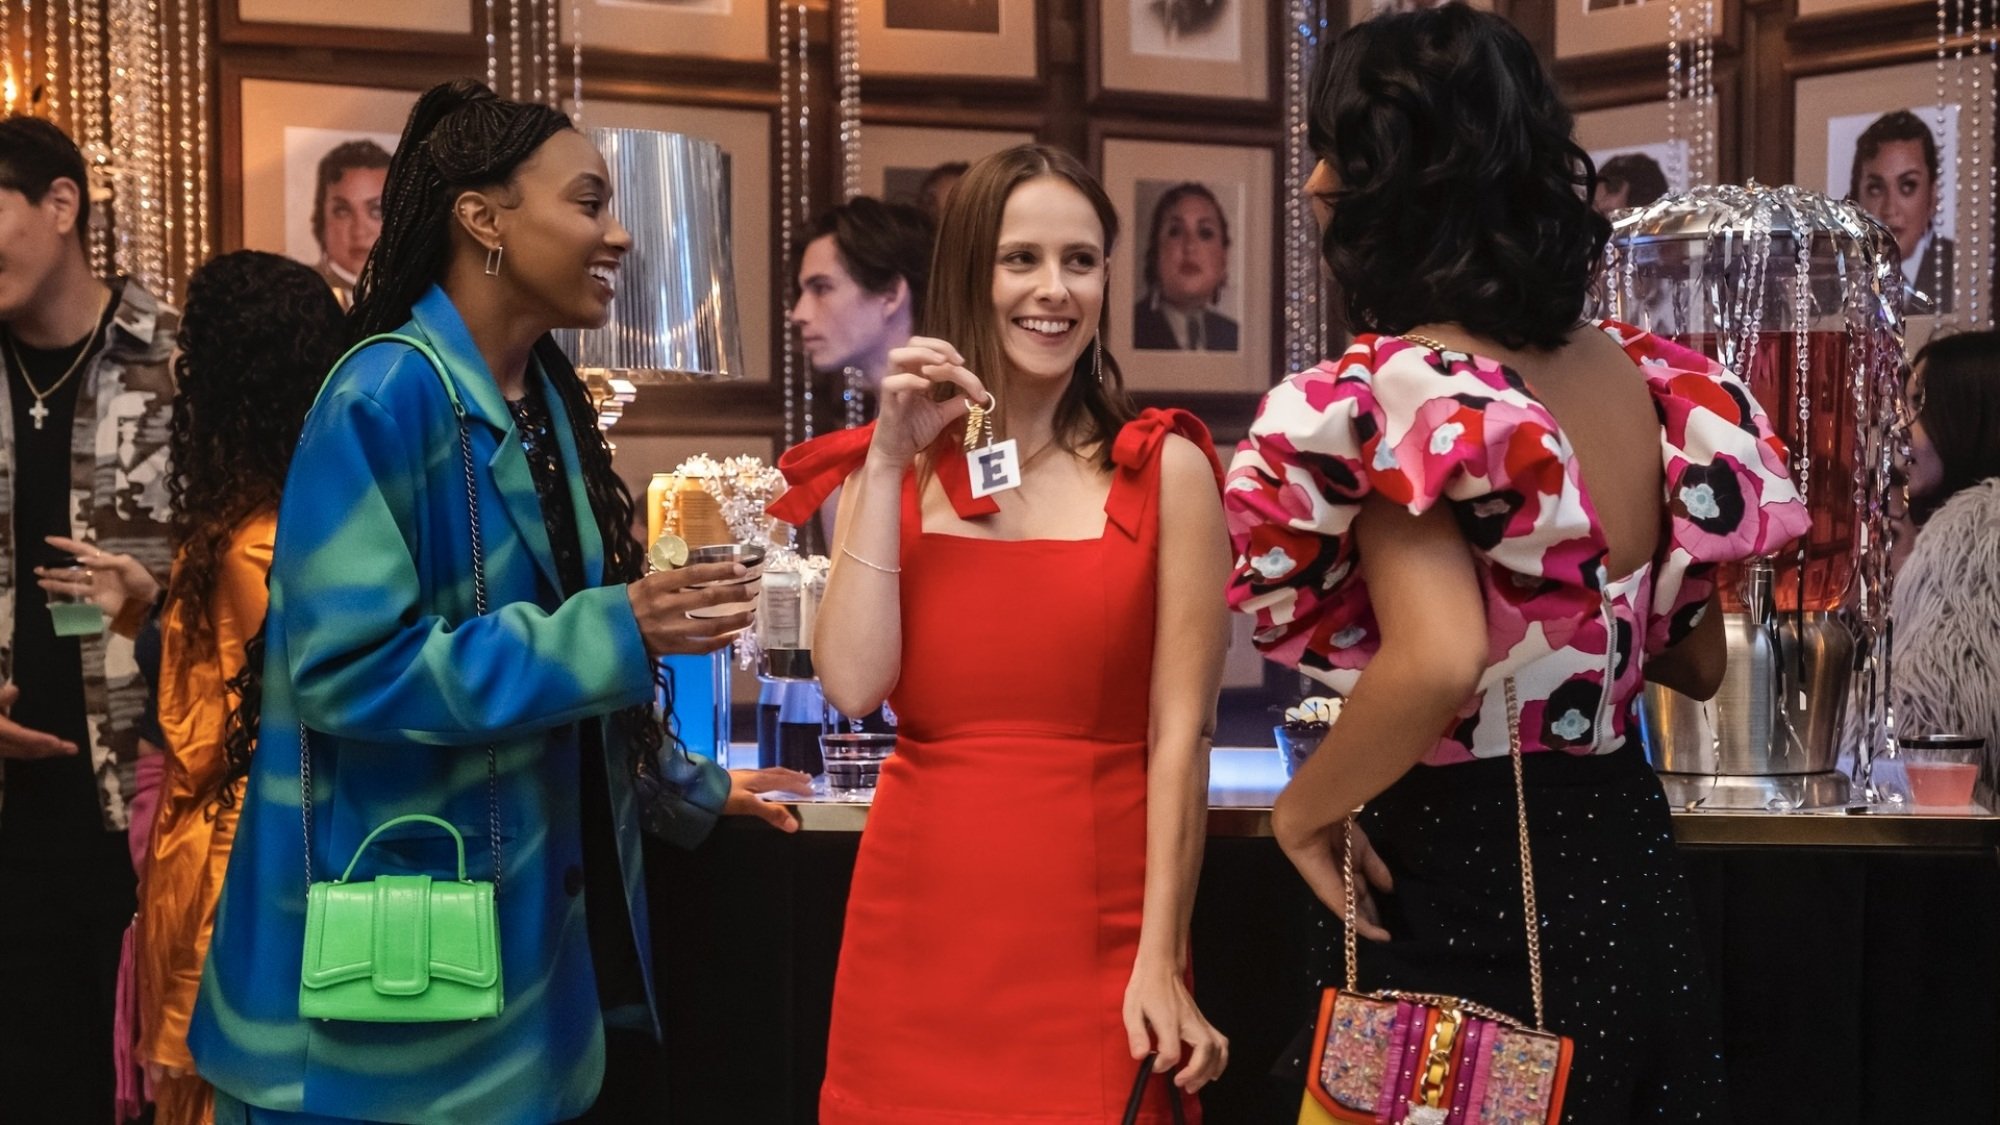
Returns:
(118,500)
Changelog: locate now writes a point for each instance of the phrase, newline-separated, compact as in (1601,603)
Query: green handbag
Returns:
(406,948)
(401,948)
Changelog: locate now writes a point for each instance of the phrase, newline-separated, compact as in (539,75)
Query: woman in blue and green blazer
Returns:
(496,230)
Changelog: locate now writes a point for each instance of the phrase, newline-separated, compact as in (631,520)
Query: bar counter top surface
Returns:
(1243,781)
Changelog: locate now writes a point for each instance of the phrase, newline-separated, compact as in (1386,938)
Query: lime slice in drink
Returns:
(668,552)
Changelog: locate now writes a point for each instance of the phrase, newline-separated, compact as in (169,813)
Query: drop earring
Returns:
(1097,357)
(493,257)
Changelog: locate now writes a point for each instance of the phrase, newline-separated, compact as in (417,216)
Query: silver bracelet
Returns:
(870,565)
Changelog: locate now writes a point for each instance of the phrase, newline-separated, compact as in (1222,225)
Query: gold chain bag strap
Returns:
(1424,1059)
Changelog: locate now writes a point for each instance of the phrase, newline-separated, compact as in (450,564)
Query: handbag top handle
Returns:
(388,824)
(479,607)
(1530,913)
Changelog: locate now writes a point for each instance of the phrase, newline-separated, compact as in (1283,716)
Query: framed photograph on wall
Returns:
(1638,157)
(745,135)
(308,162)
(718,29)
(1604,27)
(1191,275)
(897,161)
(1880,138)
(1184,48)
(987,39)
(1359,10)
(1809,9)
(431,17)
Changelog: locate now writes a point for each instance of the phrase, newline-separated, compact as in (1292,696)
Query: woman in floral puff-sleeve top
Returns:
(1397,419)
(1425,429)
(1491,513)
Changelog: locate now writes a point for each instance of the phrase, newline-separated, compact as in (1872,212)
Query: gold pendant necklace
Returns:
(40,412)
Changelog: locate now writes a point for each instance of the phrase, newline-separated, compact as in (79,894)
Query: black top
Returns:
(57,796)
(613,952)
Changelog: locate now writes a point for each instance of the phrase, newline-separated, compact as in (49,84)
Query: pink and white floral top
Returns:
(1417,426)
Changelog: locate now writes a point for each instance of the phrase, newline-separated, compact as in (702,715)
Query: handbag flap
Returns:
(449,930)
(1351,1054)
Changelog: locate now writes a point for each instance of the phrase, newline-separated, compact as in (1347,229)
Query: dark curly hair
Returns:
(461,137)
(1462,196)
(257,337)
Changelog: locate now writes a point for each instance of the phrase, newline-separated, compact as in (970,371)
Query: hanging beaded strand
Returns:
(6,58)
(28,53)
(79,101)
(49,89)
(551,35)
(805,193)
(201,148)
(576,61)
(1305,319)
(785,147)
(1677,146)
(513,49)
(848,65)
(851,398)
(1705,93)
(492,48)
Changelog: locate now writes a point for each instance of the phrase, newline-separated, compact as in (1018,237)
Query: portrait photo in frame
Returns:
(745,136)
(1190,307)
(897,159)
(1880,138)
(1638,156)
(1604,27)
(1182,48)
(310,159)
(709,29)
(975,39)
(431,17)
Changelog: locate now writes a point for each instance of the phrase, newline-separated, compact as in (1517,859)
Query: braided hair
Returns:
(257,337)
(463,137)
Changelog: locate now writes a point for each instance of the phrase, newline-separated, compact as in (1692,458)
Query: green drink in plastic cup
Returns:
(76,616)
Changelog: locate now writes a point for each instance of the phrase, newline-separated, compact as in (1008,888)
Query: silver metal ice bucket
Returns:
(1779,708)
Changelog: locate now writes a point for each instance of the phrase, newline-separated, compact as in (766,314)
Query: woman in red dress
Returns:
(1016,937)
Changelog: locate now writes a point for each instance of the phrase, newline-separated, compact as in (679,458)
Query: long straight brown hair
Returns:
(959,305)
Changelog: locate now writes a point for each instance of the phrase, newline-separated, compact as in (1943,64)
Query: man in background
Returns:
(82,455)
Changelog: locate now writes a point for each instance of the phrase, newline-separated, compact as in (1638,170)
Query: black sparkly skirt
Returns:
(1622,972)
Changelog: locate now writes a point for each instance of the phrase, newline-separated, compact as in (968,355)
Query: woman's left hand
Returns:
(1316,849)
(1160,1016)
(745,785)
(115,581)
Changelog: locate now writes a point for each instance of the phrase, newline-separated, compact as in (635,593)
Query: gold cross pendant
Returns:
(39,413)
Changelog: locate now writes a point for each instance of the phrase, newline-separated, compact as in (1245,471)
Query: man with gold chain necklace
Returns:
(82,455)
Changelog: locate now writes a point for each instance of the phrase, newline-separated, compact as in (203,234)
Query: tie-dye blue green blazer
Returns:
(373,643)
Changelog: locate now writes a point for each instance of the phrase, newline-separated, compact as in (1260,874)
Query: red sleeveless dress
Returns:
(994,914)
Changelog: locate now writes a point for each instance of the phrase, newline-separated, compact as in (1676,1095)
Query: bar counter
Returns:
(1243,781)
(1856,957)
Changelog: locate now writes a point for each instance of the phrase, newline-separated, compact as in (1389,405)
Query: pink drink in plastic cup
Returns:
(1942,769)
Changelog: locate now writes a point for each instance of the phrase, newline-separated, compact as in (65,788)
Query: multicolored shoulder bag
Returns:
(1406,1058)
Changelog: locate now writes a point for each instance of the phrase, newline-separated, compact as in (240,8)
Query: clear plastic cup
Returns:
(75,615)
(1941,769)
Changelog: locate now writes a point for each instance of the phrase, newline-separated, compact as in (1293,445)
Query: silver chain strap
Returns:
(1531,914)
(479,608)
